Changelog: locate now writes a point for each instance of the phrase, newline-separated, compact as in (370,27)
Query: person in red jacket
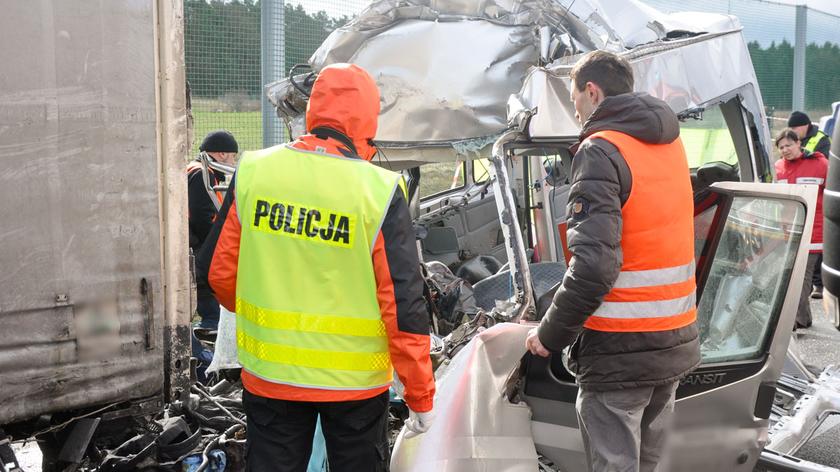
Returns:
(799,166)
(341,120)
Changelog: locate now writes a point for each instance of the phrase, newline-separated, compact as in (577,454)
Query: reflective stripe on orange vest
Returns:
(655,290)
(195,166)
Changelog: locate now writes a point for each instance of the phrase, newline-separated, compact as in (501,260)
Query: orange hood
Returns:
(346,99)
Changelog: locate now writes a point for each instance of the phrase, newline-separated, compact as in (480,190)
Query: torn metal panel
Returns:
(493,433)
(452,86)
(818,401)
(686,74)
(447,68)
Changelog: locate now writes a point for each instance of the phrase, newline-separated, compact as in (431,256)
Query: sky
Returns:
(335,8)
(827,6)
(765,21)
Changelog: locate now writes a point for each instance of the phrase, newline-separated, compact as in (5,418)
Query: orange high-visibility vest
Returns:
(655,290)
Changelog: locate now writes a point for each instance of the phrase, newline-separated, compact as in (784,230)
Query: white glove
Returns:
(418,423)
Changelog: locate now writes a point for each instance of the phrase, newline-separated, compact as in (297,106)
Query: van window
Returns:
(749,277)
(440,177)
(708,140)
(481,170)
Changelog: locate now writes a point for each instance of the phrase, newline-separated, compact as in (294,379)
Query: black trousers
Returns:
(280,434)
(803,314)
(817,278)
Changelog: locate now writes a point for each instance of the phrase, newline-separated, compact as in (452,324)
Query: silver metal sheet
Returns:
(686,74)
(450,88)
(447,68)
(476,428)
(81,216)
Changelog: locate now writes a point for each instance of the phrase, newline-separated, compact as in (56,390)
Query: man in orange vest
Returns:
(627,301)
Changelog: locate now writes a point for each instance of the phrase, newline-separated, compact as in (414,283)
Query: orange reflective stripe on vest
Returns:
(655,290)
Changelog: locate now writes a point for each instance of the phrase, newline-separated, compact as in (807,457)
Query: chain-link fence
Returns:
(224,40)
(770,30)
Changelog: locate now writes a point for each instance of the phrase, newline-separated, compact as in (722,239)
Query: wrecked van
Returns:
(476,113)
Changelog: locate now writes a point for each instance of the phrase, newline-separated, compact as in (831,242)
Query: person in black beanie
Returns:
(812,139)
(221,147)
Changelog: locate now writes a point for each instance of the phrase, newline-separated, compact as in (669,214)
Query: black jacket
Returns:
(202,214)
(600,185)
(201,207)
(823,145)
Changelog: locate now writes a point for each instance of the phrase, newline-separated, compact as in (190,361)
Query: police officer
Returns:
(810,136)
(315,252)
(628,298)
(812,140)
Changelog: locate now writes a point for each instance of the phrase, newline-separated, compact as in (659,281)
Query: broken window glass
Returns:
(749,277)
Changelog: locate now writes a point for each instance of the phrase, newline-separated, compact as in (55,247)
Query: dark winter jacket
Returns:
(202,214)
(601,177)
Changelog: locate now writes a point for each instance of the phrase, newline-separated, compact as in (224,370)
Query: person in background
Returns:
(810,136)
(801,166)
(204,205)
(812,140)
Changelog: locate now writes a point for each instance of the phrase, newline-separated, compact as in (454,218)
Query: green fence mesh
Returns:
(223,43)
(769,28)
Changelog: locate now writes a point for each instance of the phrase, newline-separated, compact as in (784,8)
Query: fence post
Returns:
(799,57)
(272,61)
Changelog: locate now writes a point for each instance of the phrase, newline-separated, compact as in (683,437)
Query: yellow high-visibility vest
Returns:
(811,145)
(306,304)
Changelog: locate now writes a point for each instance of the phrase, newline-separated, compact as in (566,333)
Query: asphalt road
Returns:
(819,346)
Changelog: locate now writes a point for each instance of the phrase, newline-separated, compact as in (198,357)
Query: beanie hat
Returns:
(219,141)
(798,118)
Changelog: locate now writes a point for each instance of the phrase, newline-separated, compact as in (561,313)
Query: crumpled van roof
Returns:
(448,68)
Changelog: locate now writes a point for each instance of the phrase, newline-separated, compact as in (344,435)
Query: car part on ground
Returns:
(771,461)
(801,407)
(211,420)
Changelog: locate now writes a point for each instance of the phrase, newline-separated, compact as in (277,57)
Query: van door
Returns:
(750,265)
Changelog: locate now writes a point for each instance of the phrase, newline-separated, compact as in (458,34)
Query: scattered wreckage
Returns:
(493,97)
